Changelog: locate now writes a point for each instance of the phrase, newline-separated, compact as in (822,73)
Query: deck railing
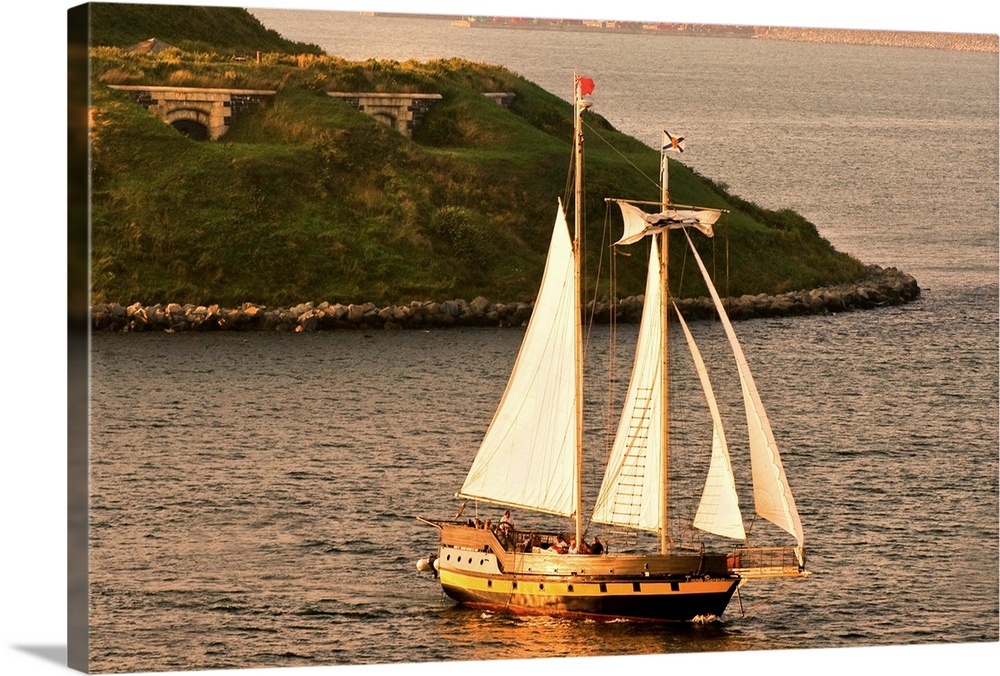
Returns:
(763,562)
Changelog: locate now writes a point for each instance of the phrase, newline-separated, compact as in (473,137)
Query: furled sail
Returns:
(630,492)
(719,509)
(638,223)
(772,495)
(527,458)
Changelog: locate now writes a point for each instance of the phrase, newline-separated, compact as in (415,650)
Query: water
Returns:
(253,496)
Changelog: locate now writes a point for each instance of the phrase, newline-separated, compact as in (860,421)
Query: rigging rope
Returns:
(612,335)
(728,295)
(680,281)
(597,281)
(568,188)
(655,182)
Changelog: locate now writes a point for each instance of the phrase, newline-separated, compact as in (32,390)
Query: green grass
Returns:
(225,30)
(305,198)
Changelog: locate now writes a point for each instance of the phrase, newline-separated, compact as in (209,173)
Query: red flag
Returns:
(585,85)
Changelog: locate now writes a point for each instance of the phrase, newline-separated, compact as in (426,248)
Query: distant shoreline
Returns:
(880,287)
(964,42)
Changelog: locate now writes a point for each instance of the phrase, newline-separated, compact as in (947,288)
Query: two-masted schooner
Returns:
(531,456)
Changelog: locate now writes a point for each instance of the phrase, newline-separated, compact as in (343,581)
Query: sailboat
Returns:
(531,457)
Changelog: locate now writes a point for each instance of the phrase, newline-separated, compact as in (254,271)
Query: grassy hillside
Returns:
(228,30)
(306,199)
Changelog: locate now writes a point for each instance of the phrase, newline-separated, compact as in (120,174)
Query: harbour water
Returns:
(253,495)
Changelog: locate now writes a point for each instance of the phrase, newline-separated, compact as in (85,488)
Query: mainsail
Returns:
(772,495)
(719,509)
(630,492)
(527,458)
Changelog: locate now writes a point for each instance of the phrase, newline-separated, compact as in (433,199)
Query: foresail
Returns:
(630,492)
(638,223)
(772,495)
(719,509)
(527,458)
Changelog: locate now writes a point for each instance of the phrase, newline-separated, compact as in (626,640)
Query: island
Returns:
(252,182)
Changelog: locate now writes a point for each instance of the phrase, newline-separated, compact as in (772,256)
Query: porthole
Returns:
(604,588)
(636,586)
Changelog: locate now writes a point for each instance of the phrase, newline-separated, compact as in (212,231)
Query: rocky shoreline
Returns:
(880,287)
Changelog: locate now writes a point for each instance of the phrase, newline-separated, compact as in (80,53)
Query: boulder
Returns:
(479,306)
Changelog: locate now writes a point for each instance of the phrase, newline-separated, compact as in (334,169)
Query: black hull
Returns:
(635,607)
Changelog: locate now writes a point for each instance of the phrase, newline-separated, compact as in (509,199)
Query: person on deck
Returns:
(506,522)
(560,545)
(597,547)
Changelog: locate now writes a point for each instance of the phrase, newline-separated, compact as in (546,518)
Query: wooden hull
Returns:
(477,571)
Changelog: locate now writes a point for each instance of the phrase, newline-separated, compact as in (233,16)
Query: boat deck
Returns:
(512,557)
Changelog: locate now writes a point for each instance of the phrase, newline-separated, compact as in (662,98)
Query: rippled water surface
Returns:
(253,495)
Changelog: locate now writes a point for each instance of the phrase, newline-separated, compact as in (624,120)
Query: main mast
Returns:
(665,365)
(578,107)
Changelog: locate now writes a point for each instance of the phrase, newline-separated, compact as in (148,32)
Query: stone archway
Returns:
(192,129)
(401,111)
(385,118)
(195,112)
(193,121)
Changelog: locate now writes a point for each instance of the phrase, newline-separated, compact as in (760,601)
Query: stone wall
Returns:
(880,287)
(403,112)
(213,109)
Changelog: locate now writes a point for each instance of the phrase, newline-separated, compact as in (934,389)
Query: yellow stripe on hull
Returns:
(543,587)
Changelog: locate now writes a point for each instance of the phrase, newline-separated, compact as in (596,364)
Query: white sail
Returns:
(772,495)
(719,509)
(528,456)
(638,223)
(630,492)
